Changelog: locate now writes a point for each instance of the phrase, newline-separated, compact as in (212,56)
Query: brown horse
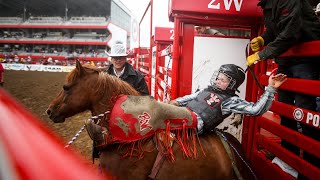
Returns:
(87,88)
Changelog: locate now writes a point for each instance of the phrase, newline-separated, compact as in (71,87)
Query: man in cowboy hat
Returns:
(123,70)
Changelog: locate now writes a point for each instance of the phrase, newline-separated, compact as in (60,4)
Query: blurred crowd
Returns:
(50,61)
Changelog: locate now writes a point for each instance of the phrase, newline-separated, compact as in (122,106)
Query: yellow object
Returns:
(253,58)
(256,43)
(92,63)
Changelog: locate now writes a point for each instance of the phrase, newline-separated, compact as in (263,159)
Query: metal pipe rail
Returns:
(271,123)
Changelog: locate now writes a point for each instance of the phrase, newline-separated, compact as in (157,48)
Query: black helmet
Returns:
(235,74)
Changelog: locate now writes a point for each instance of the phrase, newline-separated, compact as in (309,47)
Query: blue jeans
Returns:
(303,71)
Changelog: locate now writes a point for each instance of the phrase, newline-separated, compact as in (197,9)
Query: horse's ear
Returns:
(79,68)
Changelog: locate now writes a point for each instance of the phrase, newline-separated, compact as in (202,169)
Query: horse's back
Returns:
(114,163)
(211,163)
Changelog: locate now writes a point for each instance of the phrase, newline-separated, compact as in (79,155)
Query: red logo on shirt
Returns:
(212,100)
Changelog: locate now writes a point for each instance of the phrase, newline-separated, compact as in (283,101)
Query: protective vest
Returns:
(208,106)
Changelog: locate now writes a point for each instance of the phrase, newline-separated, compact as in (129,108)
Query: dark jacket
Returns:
(133,77)
(287,22)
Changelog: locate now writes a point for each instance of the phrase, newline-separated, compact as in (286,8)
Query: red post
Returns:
(175,58)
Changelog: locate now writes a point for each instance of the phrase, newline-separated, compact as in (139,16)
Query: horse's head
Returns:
(87,88)
(77,94)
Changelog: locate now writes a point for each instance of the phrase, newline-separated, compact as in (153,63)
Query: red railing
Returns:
(143,65)
(269,122)
(163,75)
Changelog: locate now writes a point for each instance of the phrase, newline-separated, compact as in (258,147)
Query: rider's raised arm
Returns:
(238,105)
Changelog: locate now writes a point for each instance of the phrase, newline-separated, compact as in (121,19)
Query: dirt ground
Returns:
(35,90)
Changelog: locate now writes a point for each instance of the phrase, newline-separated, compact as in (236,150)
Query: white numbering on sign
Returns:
(227,4)
(172,34)
(211,6)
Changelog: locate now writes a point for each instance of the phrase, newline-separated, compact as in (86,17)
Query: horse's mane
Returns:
(107,85)
(115,85)
(74,74)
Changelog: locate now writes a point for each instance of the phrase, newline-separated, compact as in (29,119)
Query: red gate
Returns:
(257,143)
(260,134)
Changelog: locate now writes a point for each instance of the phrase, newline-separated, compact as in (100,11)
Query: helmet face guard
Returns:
(217,77)
(235,75)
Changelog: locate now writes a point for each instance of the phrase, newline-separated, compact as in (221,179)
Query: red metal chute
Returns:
(28,150)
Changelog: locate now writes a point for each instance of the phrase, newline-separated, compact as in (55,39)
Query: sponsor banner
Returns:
(52,68)
(309,117)
(32,67)
(67,68)
(17,67)
(5,66)
(134,43)
(37,67)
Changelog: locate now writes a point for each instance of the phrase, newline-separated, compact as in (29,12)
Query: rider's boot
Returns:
(97,133)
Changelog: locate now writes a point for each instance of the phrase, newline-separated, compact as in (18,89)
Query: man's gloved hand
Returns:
(253,58)
(256,43)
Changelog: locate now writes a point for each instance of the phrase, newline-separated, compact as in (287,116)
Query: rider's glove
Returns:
(256,43)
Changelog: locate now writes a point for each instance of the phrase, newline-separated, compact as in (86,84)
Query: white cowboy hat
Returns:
(117,50)
(317,8)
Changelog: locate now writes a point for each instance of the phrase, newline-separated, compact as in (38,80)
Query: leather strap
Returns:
(227,147)
(156,166)
(251,70)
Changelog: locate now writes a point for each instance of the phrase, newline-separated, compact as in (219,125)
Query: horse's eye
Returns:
(66,87)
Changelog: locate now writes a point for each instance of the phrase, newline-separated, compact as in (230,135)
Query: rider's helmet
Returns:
(234,73)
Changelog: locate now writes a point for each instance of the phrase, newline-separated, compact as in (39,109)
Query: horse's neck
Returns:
(110,95)
(105,103)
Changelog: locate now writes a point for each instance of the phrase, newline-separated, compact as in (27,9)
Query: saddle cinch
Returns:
(134,118)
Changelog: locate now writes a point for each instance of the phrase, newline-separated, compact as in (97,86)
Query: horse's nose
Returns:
(48,111)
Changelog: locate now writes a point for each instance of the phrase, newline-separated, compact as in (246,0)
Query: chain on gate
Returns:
(167,77)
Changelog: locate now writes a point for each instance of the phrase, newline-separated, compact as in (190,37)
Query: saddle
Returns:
(135,118)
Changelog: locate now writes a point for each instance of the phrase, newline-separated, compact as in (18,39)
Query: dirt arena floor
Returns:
(35,90)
